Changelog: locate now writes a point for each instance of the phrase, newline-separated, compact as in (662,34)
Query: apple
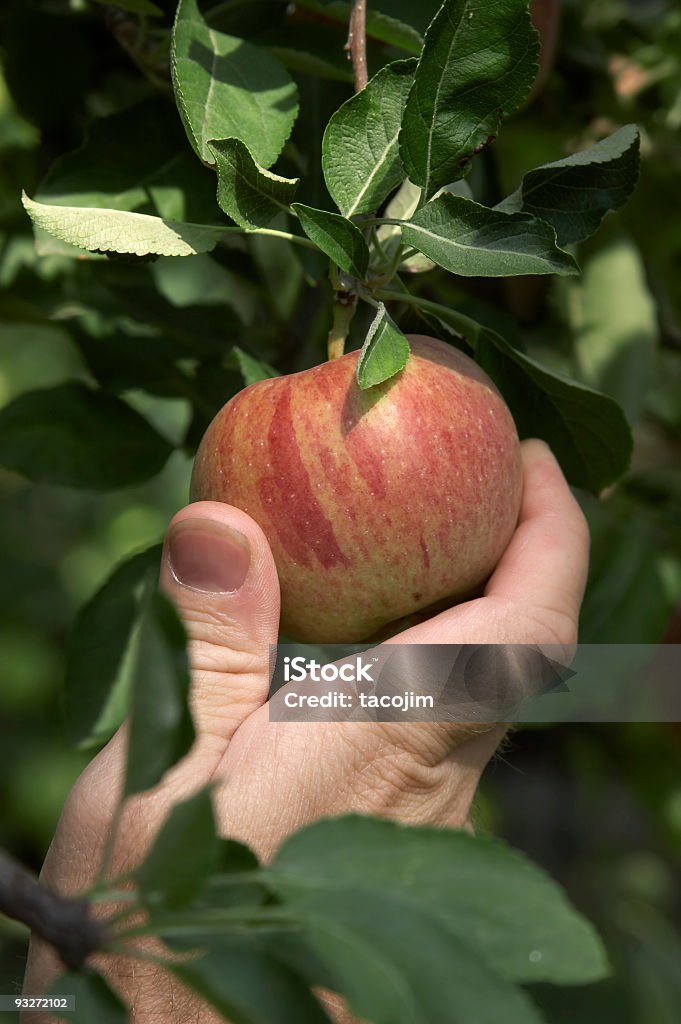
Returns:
(376,503)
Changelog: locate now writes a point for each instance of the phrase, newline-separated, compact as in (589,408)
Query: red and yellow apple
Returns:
(376,503)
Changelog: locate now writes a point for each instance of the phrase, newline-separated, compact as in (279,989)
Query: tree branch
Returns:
(344,308)
(66,924)
(357,43)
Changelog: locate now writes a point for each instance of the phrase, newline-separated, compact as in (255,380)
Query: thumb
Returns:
(218,570)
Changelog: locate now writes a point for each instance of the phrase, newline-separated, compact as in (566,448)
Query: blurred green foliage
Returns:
(600,807)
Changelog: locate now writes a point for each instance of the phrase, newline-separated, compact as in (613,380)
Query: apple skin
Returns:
(376,503)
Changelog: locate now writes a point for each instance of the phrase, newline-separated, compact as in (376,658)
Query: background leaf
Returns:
(477,67)
(360,153)
(97,684)
(634,581)
(587,431)
(160,729)
(227,88)
(400,23)
(339,238)
(474,241)
(574,194)
(612,316)
(248,194)
(78,437)
(384,353)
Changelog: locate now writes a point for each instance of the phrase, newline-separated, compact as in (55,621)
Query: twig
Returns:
(133,37)
(344,308)
(357,43)
(66,924)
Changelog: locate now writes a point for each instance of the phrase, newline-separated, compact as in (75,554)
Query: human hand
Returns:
(272,777)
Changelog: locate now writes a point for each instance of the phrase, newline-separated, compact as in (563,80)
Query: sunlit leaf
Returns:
(226,87)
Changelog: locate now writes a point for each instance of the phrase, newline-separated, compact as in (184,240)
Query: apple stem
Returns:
(343,312)
(357,43)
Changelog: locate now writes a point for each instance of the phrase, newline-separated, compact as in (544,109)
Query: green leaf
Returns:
(252,369)
(339,238)
(614,324)
(97,683)
(403,206)
(137,160)
(95,1001)
(225,889)
(228,88)
(243,982)
(469,239)
(397,963)
(491,897)
(251,196)
(384,353)
(574,194)
(183,857)
(77,437)
(360,153)
(160,727)
(478,65)
(587,431)
(118,231)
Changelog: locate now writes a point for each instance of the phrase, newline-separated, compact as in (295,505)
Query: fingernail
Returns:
(207,555)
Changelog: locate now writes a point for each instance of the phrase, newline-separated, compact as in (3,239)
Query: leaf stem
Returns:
(378,221)
(378,245)
(357,43)
(113,896)
(273,233)
(394,264)
(213,921)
